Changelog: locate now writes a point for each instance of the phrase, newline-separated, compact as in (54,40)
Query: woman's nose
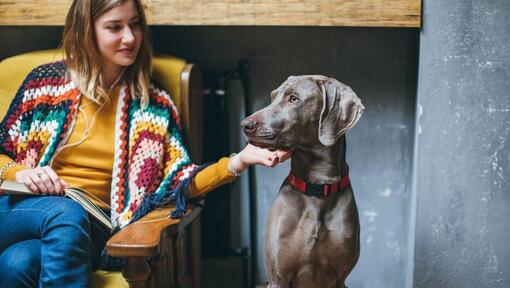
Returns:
(128,35)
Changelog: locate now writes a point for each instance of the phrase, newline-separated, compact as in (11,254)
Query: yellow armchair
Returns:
(172,245)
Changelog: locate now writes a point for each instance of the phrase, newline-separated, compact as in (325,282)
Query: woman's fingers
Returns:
(283,155)
(42,180)
(54,180)
(64,183)
(276,160)
(279,156)
(46,181)
(255,155)
(35,177)
(30,184)
(272,159)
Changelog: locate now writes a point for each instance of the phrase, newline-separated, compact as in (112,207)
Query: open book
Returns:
(74,193)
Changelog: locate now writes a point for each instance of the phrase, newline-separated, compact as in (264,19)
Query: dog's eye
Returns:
(293,99)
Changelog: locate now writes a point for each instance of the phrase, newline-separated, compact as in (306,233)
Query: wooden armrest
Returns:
(142,238)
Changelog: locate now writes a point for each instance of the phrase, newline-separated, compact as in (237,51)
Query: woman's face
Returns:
(119,36)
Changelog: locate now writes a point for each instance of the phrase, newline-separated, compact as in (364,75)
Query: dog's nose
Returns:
(249,125)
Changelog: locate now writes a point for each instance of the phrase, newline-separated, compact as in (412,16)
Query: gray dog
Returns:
(312,233)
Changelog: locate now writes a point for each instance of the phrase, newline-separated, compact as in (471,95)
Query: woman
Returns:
(94,121)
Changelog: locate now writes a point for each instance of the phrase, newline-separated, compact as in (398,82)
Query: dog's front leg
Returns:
(278,282)
(276,285)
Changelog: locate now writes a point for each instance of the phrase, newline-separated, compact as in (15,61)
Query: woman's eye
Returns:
(293,99)
(113,28)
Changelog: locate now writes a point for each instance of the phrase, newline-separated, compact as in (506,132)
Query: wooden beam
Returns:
(367,13)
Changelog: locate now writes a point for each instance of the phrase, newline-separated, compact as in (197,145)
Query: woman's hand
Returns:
(251,155)
(42,180)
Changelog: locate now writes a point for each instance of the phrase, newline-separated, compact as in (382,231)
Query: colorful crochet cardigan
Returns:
(151,165)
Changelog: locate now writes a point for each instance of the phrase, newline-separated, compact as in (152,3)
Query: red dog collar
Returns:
(319,189)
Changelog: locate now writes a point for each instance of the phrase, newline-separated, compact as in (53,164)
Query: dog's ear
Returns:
(340,111)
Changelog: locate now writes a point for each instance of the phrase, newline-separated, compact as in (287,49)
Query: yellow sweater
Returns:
(87,162)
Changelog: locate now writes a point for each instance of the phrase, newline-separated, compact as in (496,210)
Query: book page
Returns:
(76,194)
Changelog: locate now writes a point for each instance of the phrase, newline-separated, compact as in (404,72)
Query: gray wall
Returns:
(379,64)
(463,147)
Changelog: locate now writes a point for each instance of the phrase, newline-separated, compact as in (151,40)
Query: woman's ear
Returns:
(341,110)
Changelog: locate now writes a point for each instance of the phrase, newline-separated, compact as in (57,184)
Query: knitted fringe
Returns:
(179,194)
(110,263)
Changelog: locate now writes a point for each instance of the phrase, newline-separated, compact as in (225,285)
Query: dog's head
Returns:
(304,110)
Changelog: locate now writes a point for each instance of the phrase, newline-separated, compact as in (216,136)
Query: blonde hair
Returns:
(82,57)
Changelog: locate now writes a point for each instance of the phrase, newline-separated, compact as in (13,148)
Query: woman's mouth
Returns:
(127,51)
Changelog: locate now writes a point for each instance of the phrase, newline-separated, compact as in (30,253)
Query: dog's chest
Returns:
(312,249)
(320,239)
(311,237)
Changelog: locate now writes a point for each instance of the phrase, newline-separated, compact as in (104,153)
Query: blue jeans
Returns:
(45,241)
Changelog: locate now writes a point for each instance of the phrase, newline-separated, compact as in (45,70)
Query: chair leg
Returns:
(136,272)
(196,252)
